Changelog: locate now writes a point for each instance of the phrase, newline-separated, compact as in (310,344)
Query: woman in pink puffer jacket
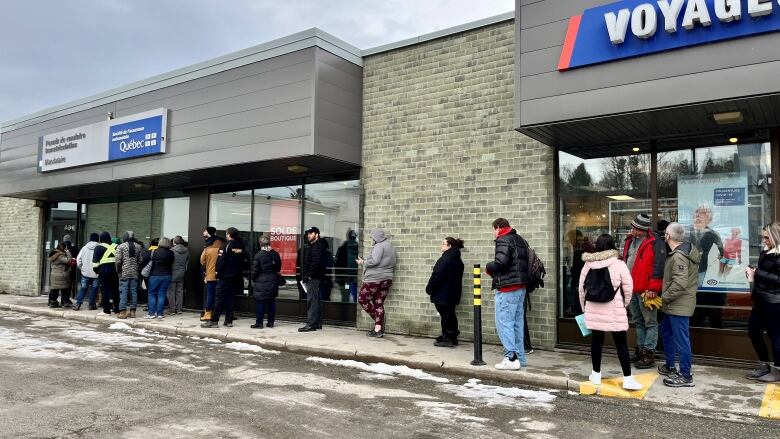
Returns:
(605,317)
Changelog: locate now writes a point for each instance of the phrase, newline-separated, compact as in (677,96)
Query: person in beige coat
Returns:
(681,281)
(59,258)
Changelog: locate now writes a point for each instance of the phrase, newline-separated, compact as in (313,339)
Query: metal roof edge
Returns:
(313,37)
(441,33)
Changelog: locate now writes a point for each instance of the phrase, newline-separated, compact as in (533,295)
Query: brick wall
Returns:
(440,158)
(21,243)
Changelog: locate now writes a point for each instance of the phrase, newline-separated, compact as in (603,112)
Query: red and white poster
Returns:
(285,215)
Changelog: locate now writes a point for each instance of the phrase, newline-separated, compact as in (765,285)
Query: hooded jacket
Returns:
(108,268)
(232,260)
(314,261)
(265,267)
(648,270)
(380,263)
(766,285)
(84,260)
(608,316)
(208,260)
(181,258)
(60,270)
(446,283)
(128,267)
(162,261)
(681,281)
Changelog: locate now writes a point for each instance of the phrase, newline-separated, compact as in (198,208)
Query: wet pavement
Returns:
(73,379)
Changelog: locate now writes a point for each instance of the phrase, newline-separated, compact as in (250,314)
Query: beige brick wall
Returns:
(21,246)
(441,157)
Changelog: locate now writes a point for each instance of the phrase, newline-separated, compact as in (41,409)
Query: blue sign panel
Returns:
(631,28)
(136,138)
(730,196)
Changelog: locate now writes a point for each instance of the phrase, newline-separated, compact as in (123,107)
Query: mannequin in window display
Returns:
(707,240)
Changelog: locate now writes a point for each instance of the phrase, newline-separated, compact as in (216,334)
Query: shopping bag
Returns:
(581,323)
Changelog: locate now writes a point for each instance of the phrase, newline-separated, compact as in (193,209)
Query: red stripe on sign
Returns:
(568,44)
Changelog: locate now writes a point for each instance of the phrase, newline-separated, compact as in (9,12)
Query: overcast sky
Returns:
(56,51)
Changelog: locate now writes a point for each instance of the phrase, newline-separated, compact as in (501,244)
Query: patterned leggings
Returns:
(372,298)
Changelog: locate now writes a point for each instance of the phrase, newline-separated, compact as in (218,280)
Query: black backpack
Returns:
(536,271)
(598,286)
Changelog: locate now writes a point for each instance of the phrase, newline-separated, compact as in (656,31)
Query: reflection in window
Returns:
(596,196)
(334,208)
(233,209)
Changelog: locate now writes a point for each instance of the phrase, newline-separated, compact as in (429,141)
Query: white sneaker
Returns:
(630,383)
(595,378)
(148,316)
(160,317)
(507,364)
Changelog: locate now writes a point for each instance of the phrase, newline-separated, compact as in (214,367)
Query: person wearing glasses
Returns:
(765,315)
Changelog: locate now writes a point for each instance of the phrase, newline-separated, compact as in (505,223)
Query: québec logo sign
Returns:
(601,34)
(132,144)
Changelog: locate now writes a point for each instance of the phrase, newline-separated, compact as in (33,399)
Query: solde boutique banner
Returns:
(714,210)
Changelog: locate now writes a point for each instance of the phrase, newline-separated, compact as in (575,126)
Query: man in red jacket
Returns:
(645,255)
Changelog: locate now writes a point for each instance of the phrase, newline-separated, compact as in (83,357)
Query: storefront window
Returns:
(334,208)
(101,217)
(597,196)
(277,214)
(233,209)
(170,217)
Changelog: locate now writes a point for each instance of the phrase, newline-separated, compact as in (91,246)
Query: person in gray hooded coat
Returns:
(377,279)
(181,258)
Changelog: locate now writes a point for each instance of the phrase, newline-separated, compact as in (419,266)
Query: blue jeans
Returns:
(646,322)
(128,286)
(90,284)
(158,289)
(261,306)
(676,338)
(211,294)
(510,322)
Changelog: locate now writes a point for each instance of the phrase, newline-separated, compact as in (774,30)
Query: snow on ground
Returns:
(374,376)
(380,368)
(18,344)
(206,339)
(238,346)
(448,412)
(119,325)
(181,365)
(505,396)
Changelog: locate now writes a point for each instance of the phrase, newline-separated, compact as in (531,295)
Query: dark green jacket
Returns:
(681,281)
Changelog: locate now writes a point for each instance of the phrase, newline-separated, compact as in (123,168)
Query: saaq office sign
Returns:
(639,27)
(122,138)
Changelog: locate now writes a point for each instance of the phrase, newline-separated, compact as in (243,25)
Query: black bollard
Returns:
(477,317)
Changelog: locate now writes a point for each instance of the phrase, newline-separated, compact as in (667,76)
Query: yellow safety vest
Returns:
(109,257)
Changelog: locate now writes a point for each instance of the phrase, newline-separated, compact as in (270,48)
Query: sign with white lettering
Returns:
(631,28)
(122,138)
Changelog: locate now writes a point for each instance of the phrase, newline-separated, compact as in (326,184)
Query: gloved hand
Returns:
(651,301)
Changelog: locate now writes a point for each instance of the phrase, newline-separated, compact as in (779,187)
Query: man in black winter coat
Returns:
(104,264)
(233,259)
(313,273)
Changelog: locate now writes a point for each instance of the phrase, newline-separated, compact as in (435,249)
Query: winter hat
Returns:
(351,234)
(128,236)
(67,238)
(94,237)
(116,240)
(378,235)
(641,222)
(105,238)
(211,231)
(312,230)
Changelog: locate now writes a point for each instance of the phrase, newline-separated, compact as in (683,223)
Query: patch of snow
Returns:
(238,346)
(206,339)
(539,425)
(446,411)
(181,365)
(120,325)
(375,376)
(504,396)
(18,344)
(380,368)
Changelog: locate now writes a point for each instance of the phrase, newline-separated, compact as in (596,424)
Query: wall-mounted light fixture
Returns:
(297,169)
(733,139)
(728,118)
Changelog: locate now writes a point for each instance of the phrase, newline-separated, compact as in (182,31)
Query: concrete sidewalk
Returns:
(720,390)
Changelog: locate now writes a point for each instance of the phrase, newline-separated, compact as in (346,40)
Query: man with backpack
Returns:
(510,272)
(645,255)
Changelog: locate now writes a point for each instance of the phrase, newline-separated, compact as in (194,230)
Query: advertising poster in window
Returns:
(714,210)
(285,216)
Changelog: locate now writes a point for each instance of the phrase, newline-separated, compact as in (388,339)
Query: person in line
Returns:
(765,315)
(645,255)
(159,277)
(313,272)
(509,270)
(129,256)
(73,250)
(88,285)
(231,263)
(181,259)
(611,316)
(208,262)
(378,269)
(346,267)
(265,282)
(104,264)
(681,281)
(59,260)
(445,287)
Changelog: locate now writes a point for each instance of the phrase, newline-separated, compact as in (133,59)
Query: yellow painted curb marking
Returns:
(770,406)
(613,387)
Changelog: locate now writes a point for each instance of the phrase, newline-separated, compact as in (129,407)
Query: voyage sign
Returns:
(631,28)
(122,138)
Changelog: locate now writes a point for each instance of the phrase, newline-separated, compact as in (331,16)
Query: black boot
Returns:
(634,358)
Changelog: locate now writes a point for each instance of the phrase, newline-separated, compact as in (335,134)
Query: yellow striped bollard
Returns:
(477,317)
